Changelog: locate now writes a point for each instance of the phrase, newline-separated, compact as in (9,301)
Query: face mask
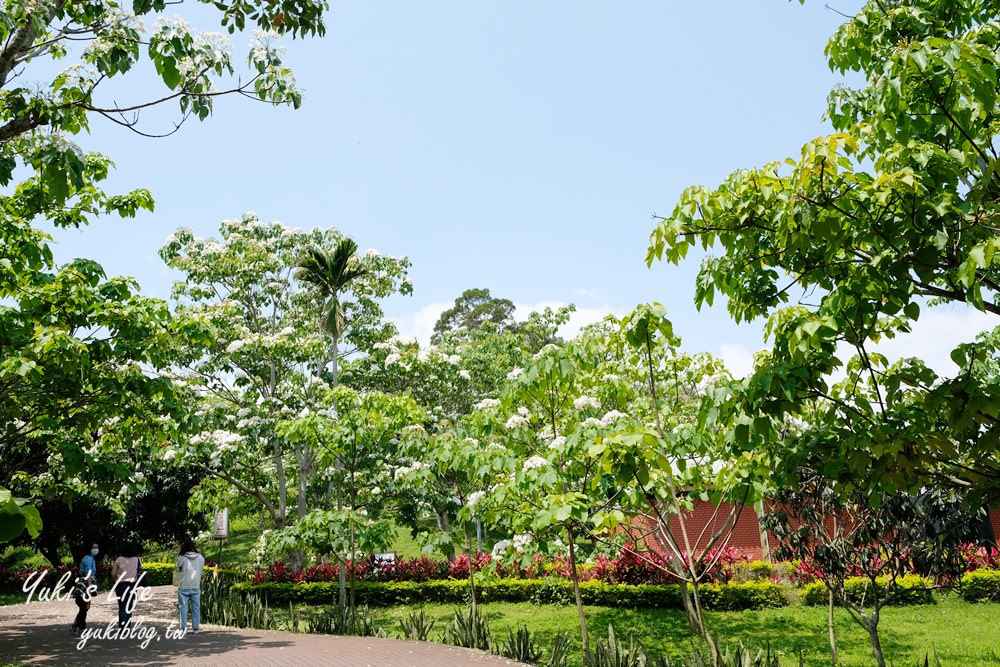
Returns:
(94,552)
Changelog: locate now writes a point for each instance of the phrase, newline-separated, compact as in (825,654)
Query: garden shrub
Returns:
(722,597)
(909,589)
(976,557)
(161,574)
(981,585)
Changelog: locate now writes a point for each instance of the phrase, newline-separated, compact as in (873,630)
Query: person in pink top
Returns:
(125,572)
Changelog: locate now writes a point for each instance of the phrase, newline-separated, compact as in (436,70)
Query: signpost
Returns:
(221,531)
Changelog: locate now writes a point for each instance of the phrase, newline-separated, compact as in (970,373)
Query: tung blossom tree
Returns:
(253,355)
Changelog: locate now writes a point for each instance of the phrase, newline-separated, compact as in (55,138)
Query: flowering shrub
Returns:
(980,558)
(459,568)
(627,568)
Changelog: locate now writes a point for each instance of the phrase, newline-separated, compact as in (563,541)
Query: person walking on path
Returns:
(125,572)
(86,577)
(190,565)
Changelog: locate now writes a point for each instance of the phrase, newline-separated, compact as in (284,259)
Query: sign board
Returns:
(222,524)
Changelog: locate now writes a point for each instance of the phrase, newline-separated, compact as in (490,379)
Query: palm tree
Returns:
(331,273)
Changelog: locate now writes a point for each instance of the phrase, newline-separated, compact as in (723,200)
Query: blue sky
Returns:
(519,146)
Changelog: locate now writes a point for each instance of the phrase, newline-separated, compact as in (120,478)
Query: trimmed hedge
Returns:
(981,586)
(721,597)
(909,589)
(162,574)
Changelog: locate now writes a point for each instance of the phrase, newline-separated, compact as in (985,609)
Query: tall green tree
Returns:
(472,311)
(79,352)
(252,357)
(331,273)
(894,212)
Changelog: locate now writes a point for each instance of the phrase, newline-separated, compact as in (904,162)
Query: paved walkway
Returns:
(38,633)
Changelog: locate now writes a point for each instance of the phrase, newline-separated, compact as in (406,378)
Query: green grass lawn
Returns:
(962,634)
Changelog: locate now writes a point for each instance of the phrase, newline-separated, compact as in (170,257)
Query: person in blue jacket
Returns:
(86,577)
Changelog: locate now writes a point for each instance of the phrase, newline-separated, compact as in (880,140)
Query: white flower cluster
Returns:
(79,76)
(404,471)
(464,374)
(591,421)
(474,498)
(523,411)
(558,443)
(534,463)
(414,428)
(515,421)
(584,402)
(170,27)
(542,352)
(612,416)
(471,441)
(262,46)
(249,423)
(515,374)
(610,377)
(224,439)
(393,358)
(488,404)
(495,448)
(521,541)
(117,17)
(260,549)
(500,548)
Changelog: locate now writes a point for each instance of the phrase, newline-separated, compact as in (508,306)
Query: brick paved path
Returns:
(38,633)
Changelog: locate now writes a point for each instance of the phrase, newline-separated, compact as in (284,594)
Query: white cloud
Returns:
(738,359)
(936,334)
(420,324)
(577,320)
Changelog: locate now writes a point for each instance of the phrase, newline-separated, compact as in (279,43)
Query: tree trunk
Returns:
(353,556)
(833,638)
(341,575)
(702,627)
(472,563)
(876,642)
(575,578)
(335,369)
(444,525)
(696,616)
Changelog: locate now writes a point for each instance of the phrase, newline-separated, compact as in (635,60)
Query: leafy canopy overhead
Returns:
(894,211)
(80,403)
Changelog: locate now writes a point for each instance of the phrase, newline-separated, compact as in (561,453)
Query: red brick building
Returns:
(747,534)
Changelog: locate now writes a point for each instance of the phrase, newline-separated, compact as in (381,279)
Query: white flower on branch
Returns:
(534,463)
(515,421)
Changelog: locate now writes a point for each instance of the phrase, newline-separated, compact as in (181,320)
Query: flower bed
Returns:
(627,568)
